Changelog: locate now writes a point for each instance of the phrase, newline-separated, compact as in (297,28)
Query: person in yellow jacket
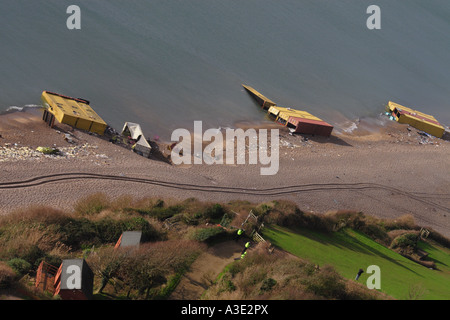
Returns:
(247,245)
(239,233)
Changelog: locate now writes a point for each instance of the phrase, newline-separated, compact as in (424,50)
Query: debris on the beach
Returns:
(15,153)
(287,144)
(68,138)
(47,150)
(424,134)
(351,127)
(292,143)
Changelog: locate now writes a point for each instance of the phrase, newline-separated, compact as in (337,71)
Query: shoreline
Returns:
(383,169)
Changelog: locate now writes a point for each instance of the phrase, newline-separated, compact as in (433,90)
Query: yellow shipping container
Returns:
(261,99)
(74,112)
(416,119)
(286,114)
(275,110)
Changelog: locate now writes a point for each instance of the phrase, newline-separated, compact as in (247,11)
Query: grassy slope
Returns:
(348,251)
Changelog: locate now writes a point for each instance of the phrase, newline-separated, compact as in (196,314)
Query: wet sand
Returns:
(381,168)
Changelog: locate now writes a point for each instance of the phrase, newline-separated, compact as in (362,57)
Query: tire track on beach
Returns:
(274,191)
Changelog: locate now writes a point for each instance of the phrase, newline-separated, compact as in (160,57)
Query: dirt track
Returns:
(205,269)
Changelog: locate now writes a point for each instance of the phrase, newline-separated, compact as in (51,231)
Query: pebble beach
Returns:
(381,168)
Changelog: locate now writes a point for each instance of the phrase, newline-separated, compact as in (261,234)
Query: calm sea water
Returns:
(166,63)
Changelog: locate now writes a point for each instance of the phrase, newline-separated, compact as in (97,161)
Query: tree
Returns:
(141,274)
(106,265)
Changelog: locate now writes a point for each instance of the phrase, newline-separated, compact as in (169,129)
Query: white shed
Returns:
(134,131)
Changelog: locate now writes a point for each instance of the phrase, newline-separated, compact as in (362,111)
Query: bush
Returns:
(302,219)
(149,233)
(439,238)
(196,213)
(84,232)
(405,241)
(37,214)
(226,220)
(7,276)
(162,213)
(191,219)
(141,274)
(326,283)
(405,222)
(146,269)
(210,235)
(263,210)
(376,232)
(21,266)
(346,219)
(157,211)
(227,284)
(214,212)
(268,284)
(77,232)
(92,204)
(108,230)
(33,256)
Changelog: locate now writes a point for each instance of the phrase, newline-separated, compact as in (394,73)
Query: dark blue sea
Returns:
(166,63)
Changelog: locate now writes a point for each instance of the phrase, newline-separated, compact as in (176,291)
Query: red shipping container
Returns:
(309,126)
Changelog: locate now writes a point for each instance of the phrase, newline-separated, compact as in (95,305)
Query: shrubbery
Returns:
(92,204)
(21,266)
(406,243)
(196,215)
(33,255)
(79,232)
(262,276)
(146,271)
(214,212)
(287,214)
(41,233)
(211,235)
(158,211)
(7,275)
(326,283)
(267,285)
(29,236)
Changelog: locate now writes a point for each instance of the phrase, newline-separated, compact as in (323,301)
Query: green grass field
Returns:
(349,250)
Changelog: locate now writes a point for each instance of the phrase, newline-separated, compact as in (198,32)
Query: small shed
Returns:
(141,145)
(74,280)
(129,239)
